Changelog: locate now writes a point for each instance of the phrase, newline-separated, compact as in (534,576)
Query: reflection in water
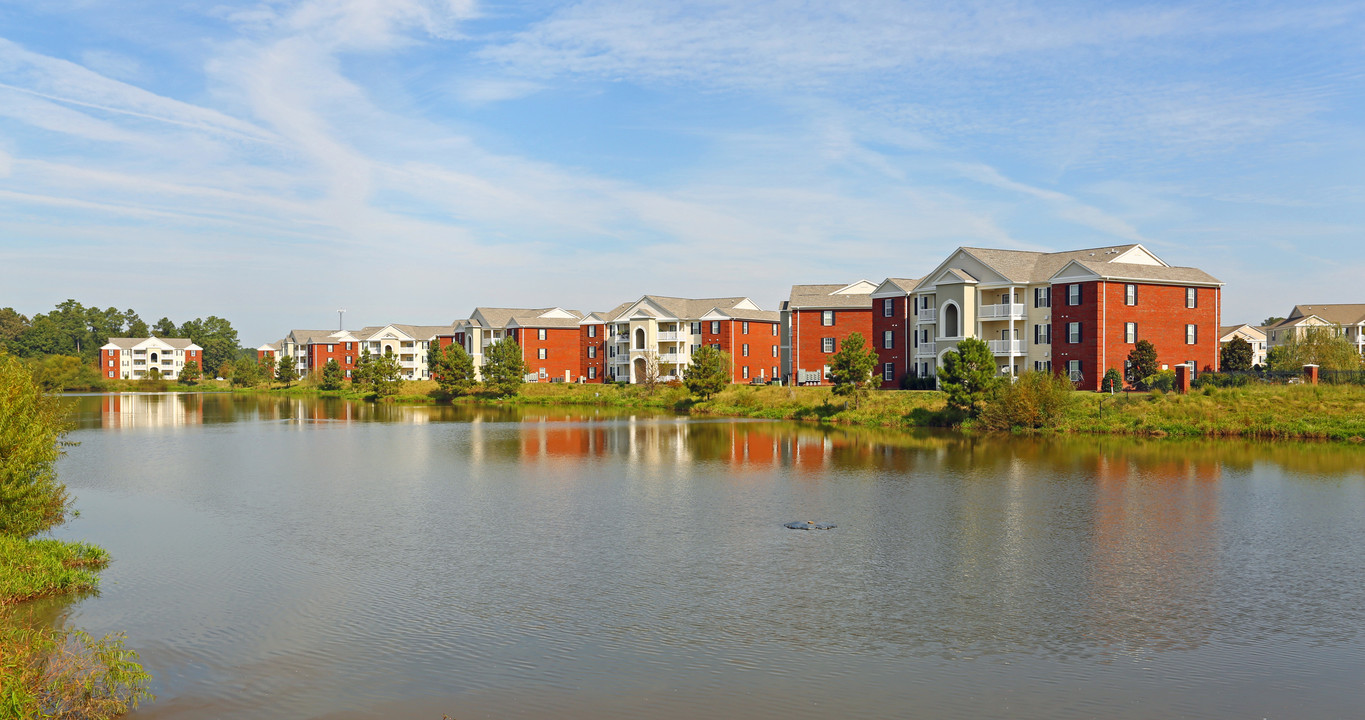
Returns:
(368,560)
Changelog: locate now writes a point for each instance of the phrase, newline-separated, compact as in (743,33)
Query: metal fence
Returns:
(1279,377)
(1341,377)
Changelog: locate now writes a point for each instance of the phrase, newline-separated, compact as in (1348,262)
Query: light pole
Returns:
(340,324)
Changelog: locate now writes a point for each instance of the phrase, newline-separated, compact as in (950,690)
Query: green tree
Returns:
(503,371)
(851,368)
(1033,400)
(215,335)
(1142,364)
(363,377)
(1235,355)
(267,366)
(968,375)
(249,374)
(32,425)
(1112,382)
(452,368)
(286,370)
(133,325)
(709,372)
(331,376)
(12,325)
(1277,359)
(64,372)
(164,328)
(1322,346)
(386,375)
(1272,320)
(190,373)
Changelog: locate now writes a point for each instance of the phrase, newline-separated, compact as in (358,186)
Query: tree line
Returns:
(74,330)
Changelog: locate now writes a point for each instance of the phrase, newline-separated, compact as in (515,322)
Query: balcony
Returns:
(1007,347)
(1010,311)
(671,358)
(926,349)
(671,336)
(927,315)
(620,338)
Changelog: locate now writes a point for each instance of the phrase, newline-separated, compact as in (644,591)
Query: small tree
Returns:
(248,374)
(1236,355)
(1142,364)
(190,374)
(32,424)
(503,370)
(1112,382)
(385,375)
(267,366)
(709,372)
(1325,347)
(286,370)
(851,368)
(331,376)
(968,375)
(363,377)
(1034,400)
(453,369)
(651,376)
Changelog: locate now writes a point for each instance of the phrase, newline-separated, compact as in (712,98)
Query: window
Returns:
(1191,334)
(744,327)
(592,351)
(715,346)
(1130,333)
(774,329)
(745,372)
(111,363)
(774,371)
(111,373)
(950,328)
(592,331)
(744,350)
(1191,297)
(827,318)
(540,353)
(888,339)
(774,351)
(827,345)
(715,327)
(1073,332)
(1042,334)
(1130,294)
(592,372)
(1042,365)
(1042,297)
(888,372)
(540,334)
(1073,294)
(1073,369)
(348,373)
(348,359)
(888,306)
(696,328)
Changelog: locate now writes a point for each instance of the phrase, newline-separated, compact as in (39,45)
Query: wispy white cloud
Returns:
(1067,207)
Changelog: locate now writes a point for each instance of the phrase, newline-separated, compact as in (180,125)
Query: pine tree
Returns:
(331,376)
(503,371)
(851,368)
(453,369)
(709,372)
(968,375)
(286,370)
(1142,364)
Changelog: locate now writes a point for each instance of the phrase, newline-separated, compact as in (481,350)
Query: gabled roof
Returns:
(1336,314)
(320,337)
(1143,273)
(148,342)
(1023,266)
(831,296)
(412,332)
(1246,329)
(771,316)
(663,306)
(895,287)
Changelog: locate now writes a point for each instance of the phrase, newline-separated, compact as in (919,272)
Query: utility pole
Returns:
(341,325)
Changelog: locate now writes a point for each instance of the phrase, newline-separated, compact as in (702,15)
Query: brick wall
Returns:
(561,352)
(899,325)
(598,341)
(807,333)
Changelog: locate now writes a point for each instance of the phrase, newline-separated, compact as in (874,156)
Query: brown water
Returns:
(287,558)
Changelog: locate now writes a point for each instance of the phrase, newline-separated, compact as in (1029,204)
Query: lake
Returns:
(291,558)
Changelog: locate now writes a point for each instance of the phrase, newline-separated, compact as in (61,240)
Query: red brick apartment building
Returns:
(548,337)
(133,358)
(815,319)
(664,332)
(891,331)
(751,337)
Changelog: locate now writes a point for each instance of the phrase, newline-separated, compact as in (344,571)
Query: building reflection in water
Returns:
(161,410)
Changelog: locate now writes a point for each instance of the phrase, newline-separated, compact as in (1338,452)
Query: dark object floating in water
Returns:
(809,525)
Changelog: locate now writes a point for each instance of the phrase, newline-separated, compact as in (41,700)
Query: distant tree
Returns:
(503,371)
(12,325)
(32,424)
(1277,359)
(452,368)
(709,372)
(267,366)
(227,369)
(286,370)
(1142,364)
(1112,382)
(385,374)
(968,375)
(65,372)
(1272,320)
(164,328)
(190,373)
(1236,355)
(134,326)
(1325,347)
(249,374)
(331,376)
(851,368)
(215,335)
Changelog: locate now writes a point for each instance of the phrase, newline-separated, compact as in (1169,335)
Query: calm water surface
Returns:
(286,558)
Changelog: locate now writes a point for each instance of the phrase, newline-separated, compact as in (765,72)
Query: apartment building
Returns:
(409,343)
(815,320)
(1348,319)
(1078,312)
(132,358)
(891,331)
(548,337)
(1253,335)
(312,349)
(656,335)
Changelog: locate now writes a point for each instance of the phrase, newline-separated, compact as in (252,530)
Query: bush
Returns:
(31,428)
(1113,381)
(1163,381)
(1034,400)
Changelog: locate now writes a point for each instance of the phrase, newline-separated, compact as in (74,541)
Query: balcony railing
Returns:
(1009,311)
(926,349)
(673,358)
(1007,347)
(620,338)
(670,336)
(927,315)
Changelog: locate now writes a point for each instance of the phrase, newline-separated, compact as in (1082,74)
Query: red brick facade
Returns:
(109,363)
(891,315)
(592,352)
(560,348)
(762,340)
(1160,316)
(809,349)
(347,355)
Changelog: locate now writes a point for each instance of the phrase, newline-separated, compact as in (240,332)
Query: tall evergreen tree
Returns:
(452,368)
(851,368)
(709,372)
(968,375)
(1236,355)
(504,371)
(331,376)
(286,370)
(1142,364)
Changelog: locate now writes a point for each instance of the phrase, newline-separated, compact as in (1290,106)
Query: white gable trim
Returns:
(862,287)
(558,313)
(1074,271)
(745,304)
(1139,255)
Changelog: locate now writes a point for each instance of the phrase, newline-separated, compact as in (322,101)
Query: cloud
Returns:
(1066,206)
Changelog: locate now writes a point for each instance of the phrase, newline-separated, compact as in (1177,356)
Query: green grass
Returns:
(31,569)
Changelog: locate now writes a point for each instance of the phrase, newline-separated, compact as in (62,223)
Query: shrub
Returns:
(1113,381)
(1034,400)
(1163,381)
(31,428)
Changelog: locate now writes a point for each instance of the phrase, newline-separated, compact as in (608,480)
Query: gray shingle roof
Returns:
(1155,273)
(681,308)
(129,343)
(1024,266)
(1338,313)
(821,296)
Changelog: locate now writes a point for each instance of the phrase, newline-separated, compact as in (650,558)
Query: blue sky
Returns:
(410,159)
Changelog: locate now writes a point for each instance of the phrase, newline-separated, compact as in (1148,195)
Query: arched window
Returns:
(639,338)
(388,349)
(951,321)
